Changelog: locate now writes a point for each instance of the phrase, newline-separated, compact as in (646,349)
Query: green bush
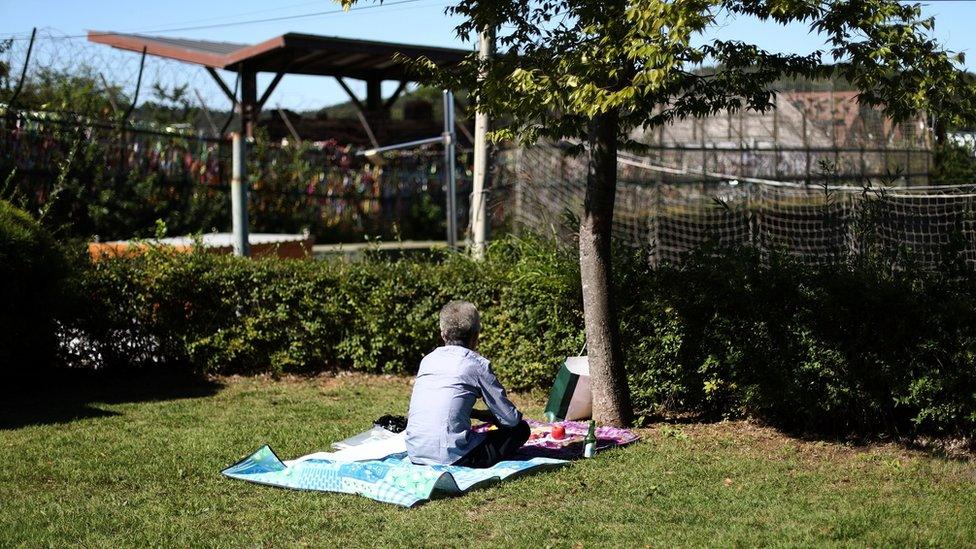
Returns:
(843,349)
(727,333)
(953,164)
(220,314)
(34,275)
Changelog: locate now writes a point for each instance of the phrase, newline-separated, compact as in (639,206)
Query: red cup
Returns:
(558,432)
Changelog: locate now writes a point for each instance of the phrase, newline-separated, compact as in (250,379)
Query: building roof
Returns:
(291,53)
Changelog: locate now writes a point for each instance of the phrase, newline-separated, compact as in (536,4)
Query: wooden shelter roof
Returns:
(291,53)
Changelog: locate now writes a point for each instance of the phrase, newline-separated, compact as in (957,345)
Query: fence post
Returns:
(742,152)
(23,72)
(238,195)
(518,190)
(908,164)
(124,149)
(833,129)
(656,229)
(135,96)
(449,169)
(928,167)
(776,152)
(806,143)
(703,151)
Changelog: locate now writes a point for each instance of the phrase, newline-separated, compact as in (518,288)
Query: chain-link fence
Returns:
(742,177)
(806,128)
(121,140)
(671,211)
(111,180)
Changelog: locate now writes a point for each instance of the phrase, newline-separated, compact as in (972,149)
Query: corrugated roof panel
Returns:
(290,53)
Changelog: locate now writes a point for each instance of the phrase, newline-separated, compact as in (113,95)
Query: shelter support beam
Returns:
(288,124)
(249,102)
(270,89)
(368,129)
(360,112)
(222,85)
(388,104)
(352,97)
(374,95)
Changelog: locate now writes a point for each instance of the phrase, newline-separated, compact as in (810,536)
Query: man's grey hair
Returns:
(460,323)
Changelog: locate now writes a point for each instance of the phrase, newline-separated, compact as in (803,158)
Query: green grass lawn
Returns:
(139,465)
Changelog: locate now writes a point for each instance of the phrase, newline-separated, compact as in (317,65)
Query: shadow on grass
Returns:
(958,448)
(60,396)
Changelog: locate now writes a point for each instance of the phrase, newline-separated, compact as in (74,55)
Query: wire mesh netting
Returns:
(671,212)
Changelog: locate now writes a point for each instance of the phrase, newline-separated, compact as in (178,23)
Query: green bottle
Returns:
(589,443)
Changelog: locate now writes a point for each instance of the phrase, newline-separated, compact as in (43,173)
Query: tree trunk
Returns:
(611,395)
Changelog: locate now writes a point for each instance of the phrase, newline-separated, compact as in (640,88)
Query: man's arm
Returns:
(484,415)
(506,414)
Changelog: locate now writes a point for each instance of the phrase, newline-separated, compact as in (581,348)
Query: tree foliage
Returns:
(564,61)
(597,69)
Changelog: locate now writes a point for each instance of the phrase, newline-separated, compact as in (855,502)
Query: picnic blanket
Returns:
(394,479)
(572,446)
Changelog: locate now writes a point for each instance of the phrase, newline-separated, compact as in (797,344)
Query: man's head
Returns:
(460,324)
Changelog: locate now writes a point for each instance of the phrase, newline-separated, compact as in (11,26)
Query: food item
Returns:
(558,432)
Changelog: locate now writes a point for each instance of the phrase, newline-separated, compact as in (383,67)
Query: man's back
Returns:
(449,382)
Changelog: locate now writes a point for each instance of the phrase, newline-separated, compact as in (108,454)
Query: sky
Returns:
(414,21)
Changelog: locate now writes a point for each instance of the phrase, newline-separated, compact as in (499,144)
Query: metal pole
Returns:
(23,71)
(238,196)
(449,169)
(704,153)
(407,145)
(479,217)
(806,144)
(908,164)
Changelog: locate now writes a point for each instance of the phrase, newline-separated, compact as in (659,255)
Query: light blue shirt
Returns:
(450,381)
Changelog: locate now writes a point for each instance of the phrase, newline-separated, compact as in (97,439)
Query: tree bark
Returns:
(608,378)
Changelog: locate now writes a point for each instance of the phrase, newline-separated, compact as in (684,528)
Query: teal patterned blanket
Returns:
(393,479)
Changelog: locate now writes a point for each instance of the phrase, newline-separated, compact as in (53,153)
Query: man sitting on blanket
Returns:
(450,381)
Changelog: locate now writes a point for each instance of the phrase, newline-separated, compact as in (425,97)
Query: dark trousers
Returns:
(500,443)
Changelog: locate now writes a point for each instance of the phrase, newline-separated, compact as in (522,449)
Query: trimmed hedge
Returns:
(854,349)
(840,350)
(220,314)
(35,277)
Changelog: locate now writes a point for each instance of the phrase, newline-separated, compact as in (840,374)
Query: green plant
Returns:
(100,453)
(830,349)
(953,164)
(222,314)
(593,71)
(35,275)
(728,332)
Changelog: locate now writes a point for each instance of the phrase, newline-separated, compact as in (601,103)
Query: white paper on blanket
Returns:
(377,448)
(372,435)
